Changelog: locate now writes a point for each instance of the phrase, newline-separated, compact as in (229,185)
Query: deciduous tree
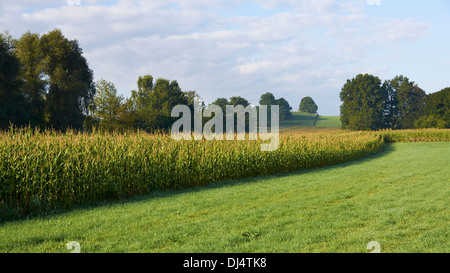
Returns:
(308,105)
(12,102)
(363,103)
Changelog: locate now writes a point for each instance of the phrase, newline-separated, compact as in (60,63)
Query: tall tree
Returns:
(267,99)
(141,101)
(70,86)
(127,117)
(391,106)
(410,99)
(12,102)
(164,96)
(145,87)
(285,109)
(222,102)
(363,103)
(192,96)
(29,52)
(108,105)
(437,111)
(308,105)
(237,100)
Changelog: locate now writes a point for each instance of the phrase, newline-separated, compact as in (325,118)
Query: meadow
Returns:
(329,121)
(308,121)
(299,119)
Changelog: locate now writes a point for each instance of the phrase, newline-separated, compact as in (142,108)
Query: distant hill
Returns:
(302,119)
(333,121)
(299,119)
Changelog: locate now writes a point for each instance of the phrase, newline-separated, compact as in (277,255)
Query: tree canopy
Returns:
(396,104)
(363,103)
(408,101)
(308,105)
(285,109)
(107,105)
(12,102)
(436,112)
(47,81)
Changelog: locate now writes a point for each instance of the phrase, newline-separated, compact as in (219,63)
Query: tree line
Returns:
(399,103)
(46,82)
(149,107)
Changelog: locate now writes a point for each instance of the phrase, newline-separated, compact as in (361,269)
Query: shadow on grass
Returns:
(387,149)
(332,122)
(299,119)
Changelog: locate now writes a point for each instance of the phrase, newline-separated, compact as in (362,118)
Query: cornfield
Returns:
(423,135)
(41,171)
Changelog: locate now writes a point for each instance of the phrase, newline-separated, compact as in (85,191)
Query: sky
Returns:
(225,48)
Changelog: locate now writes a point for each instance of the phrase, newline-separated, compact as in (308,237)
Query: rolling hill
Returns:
(302,119)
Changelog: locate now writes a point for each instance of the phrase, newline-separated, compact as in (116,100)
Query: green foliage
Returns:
(164,96)
(397,104)
(308,105)
(237,100)
(149,108)
(437,111)
(409,99)
(56,82)
(234,101)
(71,88)
(363,103)
(12,103)
(285,109)
(28,50)
(268,99)
(107,105)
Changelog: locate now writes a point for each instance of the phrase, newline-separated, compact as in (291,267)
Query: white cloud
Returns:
(311,47)
(374,2)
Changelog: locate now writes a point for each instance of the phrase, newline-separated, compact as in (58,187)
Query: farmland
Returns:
(43,171)
(329,121)
(305,120)
(196,126)
(333,209)
(323,190)
(299,119)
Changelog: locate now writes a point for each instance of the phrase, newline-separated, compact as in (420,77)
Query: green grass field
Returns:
(303,120)
(299,119)
(398,198)
(334,121)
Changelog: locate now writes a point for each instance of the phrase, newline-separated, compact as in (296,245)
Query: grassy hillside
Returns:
(402,205)
(333,121)
(301,119)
